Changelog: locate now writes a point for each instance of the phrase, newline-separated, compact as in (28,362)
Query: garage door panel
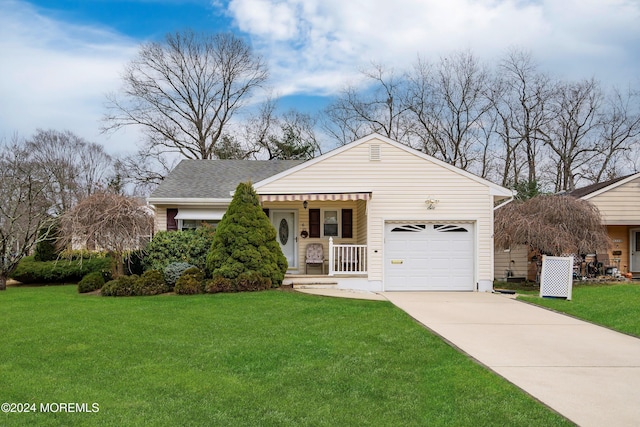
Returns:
(429,257)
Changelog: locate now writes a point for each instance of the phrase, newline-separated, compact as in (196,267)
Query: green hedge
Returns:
(190,246)
(61,271)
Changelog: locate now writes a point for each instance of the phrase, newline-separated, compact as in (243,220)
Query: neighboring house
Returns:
(388,217)
(618,201)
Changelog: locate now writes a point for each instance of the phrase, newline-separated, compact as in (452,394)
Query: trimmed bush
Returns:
(252,281)
(30,271)
(91,282)
(151,283)
(190,282)
(219,284)
(78,254)
(173,272)
(123,286)
(245,241)
(190,246)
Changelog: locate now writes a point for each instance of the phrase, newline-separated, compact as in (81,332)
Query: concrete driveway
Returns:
(587,373)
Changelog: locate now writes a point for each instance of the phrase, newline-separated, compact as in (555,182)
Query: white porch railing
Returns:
(347,259)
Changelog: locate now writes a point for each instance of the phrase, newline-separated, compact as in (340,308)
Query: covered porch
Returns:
(322,235)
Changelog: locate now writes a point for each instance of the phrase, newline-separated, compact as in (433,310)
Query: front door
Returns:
(635,250)
(285,224)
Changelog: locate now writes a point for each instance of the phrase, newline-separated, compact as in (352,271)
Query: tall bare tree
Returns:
(574,131)
(449,102)
(185,91)
(268,134)
(24,206)
(76,168)
(619,134)
(379,105)
(144,170)
(526,101)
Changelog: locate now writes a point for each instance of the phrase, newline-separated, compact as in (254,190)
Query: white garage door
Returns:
(429,257)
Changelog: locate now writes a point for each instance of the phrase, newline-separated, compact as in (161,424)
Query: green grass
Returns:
(615,306)
(255,359)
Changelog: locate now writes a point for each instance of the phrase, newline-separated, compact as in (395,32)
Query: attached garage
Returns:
(429,256)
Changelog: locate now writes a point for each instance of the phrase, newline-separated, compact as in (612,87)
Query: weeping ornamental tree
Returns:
(551,224)
(245,242)
(107,221)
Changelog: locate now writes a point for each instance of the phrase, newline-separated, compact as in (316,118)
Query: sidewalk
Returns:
(587,373)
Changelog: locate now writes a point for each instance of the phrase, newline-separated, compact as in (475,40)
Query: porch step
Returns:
(310,282)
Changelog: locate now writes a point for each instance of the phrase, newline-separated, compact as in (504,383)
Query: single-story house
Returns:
(386,216)
(618,201)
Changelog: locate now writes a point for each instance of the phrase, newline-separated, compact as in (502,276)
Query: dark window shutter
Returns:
(347,223)
(314,222)
(172,224)
(266,212)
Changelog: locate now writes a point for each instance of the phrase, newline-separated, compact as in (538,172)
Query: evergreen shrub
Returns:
(190,246)
(30,271)
(91,282)
(133,262)
(173,272)
(123,286)
(219,284)
(46,248)
(252,281)
(245,242)
(151,283)
(190,282)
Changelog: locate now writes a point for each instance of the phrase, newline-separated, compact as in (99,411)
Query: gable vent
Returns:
(374,152)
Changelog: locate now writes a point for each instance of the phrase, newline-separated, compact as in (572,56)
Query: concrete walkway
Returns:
(589,374)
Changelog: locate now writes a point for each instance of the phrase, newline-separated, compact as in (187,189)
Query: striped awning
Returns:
(312,197)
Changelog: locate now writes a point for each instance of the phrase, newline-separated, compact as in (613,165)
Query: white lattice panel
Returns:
(556,278)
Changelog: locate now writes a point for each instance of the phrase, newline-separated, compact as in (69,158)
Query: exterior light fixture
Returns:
(305,204)
(431,202)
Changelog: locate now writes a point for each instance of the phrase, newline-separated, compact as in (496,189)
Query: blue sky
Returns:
(60,58)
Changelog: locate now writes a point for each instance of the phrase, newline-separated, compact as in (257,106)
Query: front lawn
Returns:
(271,358)
(615,306)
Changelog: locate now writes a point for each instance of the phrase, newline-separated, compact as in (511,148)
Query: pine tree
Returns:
(245,242)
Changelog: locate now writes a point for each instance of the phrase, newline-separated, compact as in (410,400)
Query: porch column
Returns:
(331,263)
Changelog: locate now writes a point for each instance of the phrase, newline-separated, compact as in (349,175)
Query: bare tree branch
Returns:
(184,92)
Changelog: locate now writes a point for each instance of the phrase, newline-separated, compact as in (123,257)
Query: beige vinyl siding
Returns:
(400,183)
(620,205)
(161,218)
(514,260)
(360,222)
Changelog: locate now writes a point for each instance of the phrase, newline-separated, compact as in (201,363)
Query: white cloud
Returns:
(315,45)
(56,75)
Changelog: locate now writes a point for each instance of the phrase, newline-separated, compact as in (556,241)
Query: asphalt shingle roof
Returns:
(216,178)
